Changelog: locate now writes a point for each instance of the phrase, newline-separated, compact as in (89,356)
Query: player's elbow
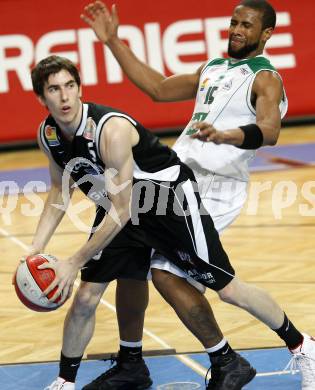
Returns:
(271,141)
(124,216)
(159,91)
(271,136)
(157,95)
(156,98)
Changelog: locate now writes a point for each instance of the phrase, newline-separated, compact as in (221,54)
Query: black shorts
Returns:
(184,233)
(123,258)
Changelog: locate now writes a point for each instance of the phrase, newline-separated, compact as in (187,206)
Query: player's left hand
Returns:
(31,250)
(66,273)
(207,133)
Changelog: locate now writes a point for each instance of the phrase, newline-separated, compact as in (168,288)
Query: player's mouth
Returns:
(237,42)
(65,109)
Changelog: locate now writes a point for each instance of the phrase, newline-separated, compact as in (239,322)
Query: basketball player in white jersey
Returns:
(239,105)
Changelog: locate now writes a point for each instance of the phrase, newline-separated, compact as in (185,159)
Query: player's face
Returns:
(246,37)
(62,97)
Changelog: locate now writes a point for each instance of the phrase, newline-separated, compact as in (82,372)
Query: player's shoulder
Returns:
(103,113)
(45,132)
(260,63)
(100,109)
(267,81)
(49,120)
(47,127)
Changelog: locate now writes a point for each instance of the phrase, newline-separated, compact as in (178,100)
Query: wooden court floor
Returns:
(274,248)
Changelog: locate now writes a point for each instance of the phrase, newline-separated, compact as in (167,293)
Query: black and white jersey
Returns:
(166,209)
(81,156)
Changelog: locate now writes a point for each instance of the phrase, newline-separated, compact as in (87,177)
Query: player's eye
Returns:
(52,89)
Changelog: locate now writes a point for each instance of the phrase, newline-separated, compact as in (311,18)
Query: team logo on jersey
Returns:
(227,85)
(90,128)
(244,71)
(51,135)
(204,84)
(221,77)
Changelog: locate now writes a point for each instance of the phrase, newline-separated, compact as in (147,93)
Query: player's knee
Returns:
(85,302)
(228,294)
(236,293)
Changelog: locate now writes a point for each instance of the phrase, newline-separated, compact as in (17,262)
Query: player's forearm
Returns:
(232,137)
(144,77)
(113,223)
(49,219)
(235,137)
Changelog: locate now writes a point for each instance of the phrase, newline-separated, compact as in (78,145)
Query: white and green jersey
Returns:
(224,100)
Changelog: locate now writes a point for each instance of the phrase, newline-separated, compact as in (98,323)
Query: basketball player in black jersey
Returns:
(116,162)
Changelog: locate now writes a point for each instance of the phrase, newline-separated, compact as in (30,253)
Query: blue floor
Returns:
(283,157)
(168,373)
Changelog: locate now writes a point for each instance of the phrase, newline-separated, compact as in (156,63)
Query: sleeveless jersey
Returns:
(81,156)
(223,100)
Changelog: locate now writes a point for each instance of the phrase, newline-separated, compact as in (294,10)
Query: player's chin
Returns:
(236,50)
(233,53)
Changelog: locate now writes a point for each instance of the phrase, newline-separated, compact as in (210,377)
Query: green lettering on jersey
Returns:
(197,117)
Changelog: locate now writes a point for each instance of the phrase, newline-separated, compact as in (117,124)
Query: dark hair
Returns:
(268,13)
(51,65)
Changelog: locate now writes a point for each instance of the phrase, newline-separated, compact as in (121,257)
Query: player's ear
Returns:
(80,91)
(267,34)
(42,100)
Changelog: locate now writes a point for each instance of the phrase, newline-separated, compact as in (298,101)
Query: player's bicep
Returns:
(119,183)
(179,87)
(116,152)
(269,91)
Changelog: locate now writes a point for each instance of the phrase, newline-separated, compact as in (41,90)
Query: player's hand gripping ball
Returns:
(30,282)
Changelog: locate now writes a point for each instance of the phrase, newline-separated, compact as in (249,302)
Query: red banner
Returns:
(172,36)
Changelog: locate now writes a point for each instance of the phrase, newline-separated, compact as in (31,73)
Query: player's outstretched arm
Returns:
(160,88)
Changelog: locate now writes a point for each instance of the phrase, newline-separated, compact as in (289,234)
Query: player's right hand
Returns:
(104,23)
(65,275)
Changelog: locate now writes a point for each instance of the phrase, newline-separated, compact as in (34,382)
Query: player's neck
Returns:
(235,60)
(255,53)
(70,128)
